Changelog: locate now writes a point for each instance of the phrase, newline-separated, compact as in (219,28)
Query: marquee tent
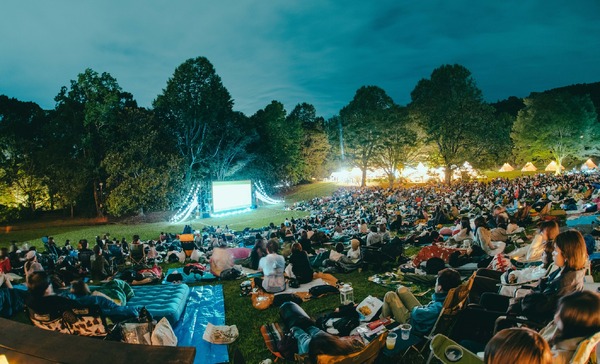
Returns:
(506,168)
(529,167)
(588,165)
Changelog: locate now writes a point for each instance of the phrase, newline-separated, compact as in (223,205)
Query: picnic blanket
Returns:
(302,292)
(318,279)
(205,305)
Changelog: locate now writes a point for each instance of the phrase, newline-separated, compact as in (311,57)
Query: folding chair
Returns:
(188,248)
(116,253)
(449,352)
(136,254)
(587,350)
(455,301)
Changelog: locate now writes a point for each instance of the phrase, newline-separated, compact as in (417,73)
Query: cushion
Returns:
(162,300)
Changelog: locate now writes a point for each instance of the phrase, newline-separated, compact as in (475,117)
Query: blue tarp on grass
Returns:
(205,304)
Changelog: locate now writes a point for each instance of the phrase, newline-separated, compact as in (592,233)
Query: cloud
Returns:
(318,52)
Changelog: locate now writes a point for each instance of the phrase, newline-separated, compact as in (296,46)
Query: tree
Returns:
(314,145)
(231,153)
(195,105)
(556,125)
(278,146)
(364,121)
(450,109)
(82,131)
(400,145)
(20,151)
(143,172)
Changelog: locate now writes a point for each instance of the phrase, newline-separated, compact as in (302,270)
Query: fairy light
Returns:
(261,195)
(190,203)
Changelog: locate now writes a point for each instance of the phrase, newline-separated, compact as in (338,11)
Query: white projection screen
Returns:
(231,195)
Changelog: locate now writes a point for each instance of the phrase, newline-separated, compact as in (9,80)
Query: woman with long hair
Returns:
(570,256)
(300,266)
(547,231)
(483,237)
(577,318)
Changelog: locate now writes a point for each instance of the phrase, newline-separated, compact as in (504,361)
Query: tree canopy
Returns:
(450,108)
(364,122)
(194,106)
(554,126)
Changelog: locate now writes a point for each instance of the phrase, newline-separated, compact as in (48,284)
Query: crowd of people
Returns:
(463,222)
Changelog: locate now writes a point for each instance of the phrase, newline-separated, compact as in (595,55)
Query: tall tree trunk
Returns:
(448,174)
(558,166)
(363,181)
(391,179)
(99,212)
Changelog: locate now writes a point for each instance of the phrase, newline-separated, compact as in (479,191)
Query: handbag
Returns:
(262,300)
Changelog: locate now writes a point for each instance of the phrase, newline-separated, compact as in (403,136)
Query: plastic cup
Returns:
(405,331)
(390,342)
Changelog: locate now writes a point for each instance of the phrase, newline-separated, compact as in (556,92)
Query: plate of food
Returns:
(368,308)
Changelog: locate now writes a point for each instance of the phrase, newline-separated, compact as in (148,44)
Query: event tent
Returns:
(529,167)
(506,168)
(551,167)
(588,165)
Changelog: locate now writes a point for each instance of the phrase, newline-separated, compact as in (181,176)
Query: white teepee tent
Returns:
(506,168)
(529,167)
(588,165)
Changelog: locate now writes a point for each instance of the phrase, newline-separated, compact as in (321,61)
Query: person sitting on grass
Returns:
(299,266)
(272,266)
(100,266)
(404,307)
(5,266)
(222,264)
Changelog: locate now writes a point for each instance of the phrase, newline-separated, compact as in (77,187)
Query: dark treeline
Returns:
(98,153)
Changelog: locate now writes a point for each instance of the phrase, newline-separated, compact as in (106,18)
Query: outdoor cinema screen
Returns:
(231,195)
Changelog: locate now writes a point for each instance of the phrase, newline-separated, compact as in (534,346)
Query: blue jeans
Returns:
(304,337)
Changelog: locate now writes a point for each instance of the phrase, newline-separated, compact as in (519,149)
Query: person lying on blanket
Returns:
(404,307)
(312,340)
(81,293)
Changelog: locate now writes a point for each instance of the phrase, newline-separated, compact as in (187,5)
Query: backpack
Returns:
(230,274)
(322,290)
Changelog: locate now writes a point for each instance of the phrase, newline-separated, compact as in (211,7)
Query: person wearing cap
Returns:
(31,263)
